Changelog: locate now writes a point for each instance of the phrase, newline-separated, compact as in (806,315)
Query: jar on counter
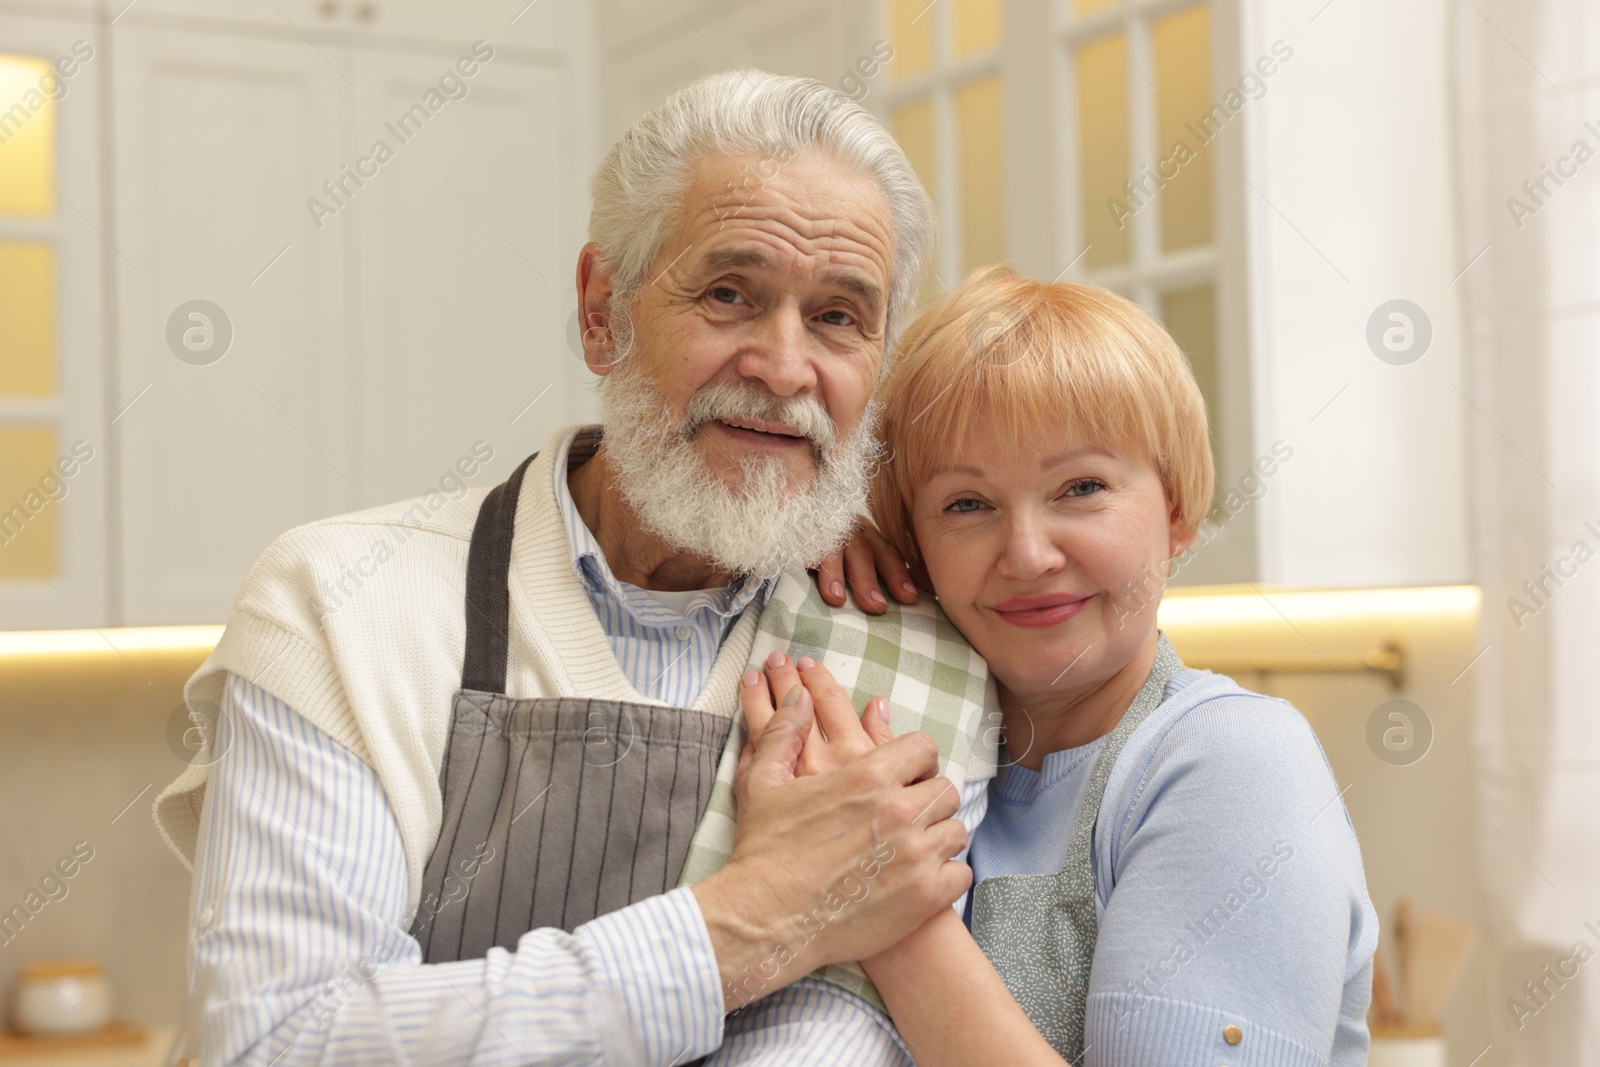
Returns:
(60,997)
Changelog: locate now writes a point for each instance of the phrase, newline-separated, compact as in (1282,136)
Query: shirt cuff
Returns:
(657,958)
(1129,1028)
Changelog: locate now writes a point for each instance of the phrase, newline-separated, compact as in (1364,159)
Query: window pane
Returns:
(1182,46)
(27,512)
(977,26)
(1190,316)
(911,37)
(27,319)
(979,148)
(1102,82)
(27,136)
(912,126)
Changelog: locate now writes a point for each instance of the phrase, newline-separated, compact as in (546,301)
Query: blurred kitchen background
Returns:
(224,311)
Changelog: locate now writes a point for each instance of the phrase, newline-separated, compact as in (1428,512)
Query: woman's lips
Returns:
(1036,612)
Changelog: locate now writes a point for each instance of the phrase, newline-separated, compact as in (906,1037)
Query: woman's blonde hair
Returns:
(1032,357)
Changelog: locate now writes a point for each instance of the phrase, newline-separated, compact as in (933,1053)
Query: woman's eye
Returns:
(1085,487)
(722,294)
(956,506)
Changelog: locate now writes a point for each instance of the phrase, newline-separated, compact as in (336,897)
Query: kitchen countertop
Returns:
(151,1052)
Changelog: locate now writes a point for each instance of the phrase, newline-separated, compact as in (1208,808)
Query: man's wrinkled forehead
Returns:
(812,205)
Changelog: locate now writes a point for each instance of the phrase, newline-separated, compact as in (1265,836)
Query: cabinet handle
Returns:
(329,9)
(366,12)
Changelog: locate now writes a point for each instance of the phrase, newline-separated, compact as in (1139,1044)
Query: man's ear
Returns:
(594,309)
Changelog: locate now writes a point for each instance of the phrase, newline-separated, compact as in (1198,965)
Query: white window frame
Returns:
(946,76)
(1045,227)
(1150,271)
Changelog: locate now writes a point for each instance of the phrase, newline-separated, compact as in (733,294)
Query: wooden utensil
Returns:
(1383,1013)
(1401,929)
(1439,949)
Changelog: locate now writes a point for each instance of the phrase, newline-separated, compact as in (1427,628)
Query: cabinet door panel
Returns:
(218,144)
(534,25)
(468,238)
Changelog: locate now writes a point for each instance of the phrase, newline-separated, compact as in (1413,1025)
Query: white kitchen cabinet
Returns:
(465,243)
(218,140)
(344,355)
(382,325)
(398,25)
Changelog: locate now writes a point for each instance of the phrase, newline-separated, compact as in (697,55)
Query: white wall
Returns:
(1350,156)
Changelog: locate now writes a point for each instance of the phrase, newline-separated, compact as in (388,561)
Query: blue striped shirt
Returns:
(666,654)
(299,932)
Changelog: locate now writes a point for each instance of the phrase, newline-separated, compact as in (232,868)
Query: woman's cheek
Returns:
(958,581)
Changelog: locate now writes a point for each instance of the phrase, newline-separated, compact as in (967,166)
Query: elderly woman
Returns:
(1166,874)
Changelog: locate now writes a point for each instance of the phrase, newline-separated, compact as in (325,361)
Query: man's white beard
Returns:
(764,525)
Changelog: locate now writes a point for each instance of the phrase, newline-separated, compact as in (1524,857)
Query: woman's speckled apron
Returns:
(556,809)
(1039,930)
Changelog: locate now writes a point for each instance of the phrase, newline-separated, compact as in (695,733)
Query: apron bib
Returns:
(1039,930)
(556,810)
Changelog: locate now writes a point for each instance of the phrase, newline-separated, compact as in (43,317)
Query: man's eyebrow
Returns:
(729,258)
(864,290)
(869,294)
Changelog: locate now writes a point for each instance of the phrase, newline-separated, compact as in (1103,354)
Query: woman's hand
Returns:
(865,559)
(838,735)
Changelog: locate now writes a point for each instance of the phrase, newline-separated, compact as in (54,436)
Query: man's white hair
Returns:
(639,187)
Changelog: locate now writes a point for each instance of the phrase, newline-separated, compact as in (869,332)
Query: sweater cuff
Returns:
(1132,1028)
(657,957)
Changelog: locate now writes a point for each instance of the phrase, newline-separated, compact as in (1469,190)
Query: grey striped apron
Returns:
(557,810)
(1039,930)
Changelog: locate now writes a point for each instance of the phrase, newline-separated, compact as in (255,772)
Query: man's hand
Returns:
(831,867)
(866,559)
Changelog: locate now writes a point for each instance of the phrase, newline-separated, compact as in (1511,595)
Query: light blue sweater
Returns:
(1228,882)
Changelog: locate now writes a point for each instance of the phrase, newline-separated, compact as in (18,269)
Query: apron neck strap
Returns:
(1145,701)
(488,595)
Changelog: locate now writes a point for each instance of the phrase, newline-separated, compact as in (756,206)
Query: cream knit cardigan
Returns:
(375,663)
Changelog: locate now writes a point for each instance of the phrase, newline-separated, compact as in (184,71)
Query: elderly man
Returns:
(451,810)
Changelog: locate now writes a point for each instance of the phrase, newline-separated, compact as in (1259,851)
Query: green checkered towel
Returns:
(912,655)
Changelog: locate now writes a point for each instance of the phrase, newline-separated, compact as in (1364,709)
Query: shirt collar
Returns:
(577,447)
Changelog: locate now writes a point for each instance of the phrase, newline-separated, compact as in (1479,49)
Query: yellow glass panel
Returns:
(28,484)
(1182,46)
(27,319)
(27,136)
(1102,83)
(912,126)
(1190,316)
(979,148)
(911,37)
(977,26)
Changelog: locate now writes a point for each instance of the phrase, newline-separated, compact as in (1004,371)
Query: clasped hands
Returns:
(844,838)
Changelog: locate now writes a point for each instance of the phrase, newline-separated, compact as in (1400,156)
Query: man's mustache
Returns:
(806,416)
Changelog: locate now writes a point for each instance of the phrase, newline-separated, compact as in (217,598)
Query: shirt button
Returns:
(1232,1034)
(685,632)
(208,915)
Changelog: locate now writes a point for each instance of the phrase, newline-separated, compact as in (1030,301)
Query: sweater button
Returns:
(1232,1034)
